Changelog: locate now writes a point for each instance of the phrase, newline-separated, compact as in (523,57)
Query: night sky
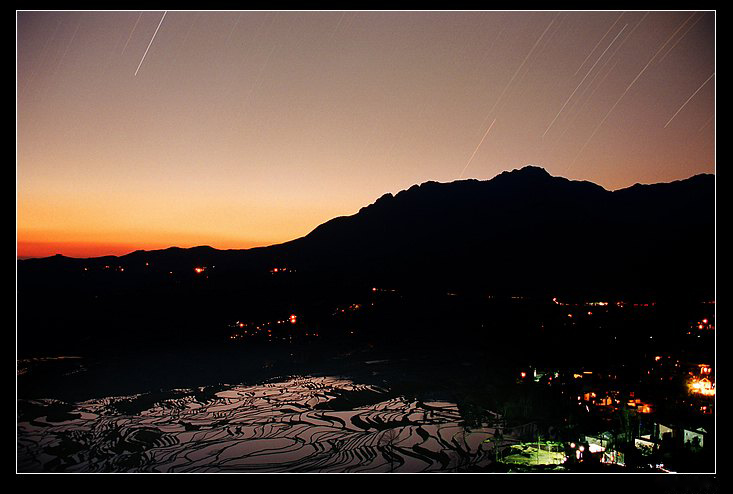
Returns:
(145,130)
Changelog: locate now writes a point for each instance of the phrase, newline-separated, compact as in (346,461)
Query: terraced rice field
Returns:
(296,424)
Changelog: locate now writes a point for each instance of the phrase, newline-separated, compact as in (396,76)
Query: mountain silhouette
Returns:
(522,231)
(525,230)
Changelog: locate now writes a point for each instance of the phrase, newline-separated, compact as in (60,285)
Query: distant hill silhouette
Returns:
(523,231)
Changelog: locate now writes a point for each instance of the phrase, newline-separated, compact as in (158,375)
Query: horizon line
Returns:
(266,245)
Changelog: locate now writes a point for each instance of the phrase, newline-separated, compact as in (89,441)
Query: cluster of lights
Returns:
(619,304)
(352,307)
(197,269)
(589,304)
(603,304)
(390,290)
(107,266)
(702,387)
(704,324)
(282,270)
(256,328)
(578,451)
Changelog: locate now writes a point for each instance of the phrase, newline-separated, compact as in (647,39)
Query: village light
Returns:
(595,448)
(703,387)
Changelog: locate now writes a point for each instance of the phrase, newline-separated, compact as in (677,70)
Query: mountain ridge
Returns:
(522,230)
(534,172)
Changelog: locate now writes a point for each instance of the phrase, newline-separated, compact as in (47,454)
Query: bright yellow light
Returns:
(702,387)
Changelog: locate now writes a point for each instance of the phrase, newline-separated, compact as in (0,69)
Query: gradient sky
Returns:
(242,129)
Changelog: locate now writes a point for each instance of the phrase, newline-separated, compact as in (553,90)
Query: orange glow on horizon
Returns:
(82,249)
(74,231)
